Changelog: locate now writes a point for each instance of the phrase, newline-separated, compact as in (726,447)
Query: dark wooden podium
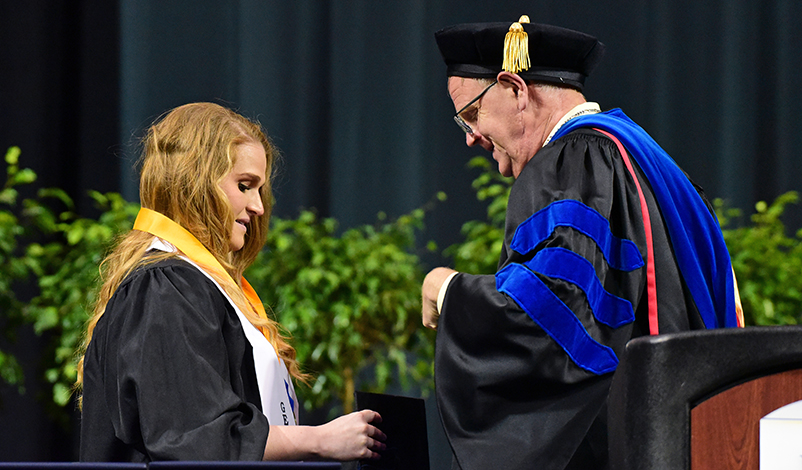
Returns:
(694,400)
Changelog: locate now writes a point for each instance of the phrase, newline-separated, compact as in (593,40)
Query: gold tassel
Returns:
(516,48)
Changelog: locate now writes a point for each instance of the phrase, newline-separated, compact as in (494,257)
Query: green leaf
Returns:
(12,155)
(61,394)
(10,370)
(8,196)
(24,176)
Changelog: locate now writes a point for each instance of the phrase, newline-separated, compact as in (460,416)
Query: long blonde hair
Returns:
(185,156)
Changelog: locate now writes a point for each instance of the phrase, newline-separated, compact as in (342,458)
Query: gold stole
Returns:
(159,225)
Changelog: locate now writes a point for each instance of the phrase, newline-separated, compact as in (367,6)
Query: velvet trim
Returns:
(555,318)
(620,254)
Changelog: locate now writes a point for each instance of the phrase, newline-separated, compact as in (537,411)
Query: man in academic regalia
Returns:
(606,239)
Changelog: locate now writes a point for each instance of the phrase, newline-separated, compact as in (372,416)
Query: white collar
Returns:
(584,108)
(161,245)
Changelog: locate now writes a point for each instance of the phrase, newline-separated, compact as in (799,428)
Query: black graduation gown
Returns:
(509,394)
(169,374)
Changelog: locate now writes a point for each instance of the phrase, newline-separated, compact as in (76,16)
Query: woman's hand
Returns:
(352,437)
(348,437)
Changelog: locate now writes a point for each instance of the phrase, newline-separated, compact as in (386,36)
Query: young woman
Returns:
(181,362)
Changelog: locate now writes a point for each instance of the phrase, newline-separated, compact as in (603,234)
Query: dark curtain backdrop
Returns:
(353,93)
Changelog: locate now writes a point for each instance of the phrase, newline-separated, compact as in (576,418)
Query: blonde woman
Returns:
(181,362)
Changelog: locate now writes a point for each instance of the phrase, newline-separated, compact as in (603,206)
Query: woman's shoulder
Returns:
(168,281)
(166,293)
(173,268)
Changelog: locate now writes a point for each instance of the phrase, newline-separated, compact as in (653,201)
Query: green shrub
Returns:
(61,257)
(479,253)
(67,271)
(12,229)
(351,302)
(767,262)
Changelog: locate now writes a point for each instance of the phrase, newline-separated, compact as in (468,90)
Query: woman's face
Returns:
(242,187)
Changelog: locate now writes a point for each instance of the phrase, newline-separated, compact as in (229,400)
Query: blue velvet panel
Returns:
(620,253)
(564,264)
(555,318)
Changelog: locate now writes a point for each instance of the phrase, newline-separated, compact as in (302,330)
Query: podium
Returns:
(694,400)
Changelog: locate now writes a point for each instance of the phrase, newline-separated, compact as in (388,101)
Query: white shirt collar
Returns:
(584,108)
(161,245)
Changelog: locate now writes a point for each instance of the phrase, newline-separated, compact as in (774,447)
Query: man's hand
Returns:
(429,291)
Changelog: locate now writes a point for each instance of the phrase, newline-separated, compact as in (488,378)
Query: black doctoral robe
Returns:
(527,390)
(169,374)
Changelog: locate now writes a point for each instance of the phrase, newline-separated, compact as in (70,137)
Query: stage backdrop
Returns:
(353,93)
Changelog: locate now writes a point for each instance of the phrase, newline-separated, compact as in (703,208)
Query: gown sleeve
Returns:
(524,357)
(166,359)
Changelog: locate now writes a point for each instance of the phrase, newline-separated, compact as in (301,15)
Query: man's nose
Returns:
(472,139)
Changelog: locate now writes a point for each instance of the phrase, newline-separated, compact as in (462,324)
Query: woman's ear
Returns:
(517,85)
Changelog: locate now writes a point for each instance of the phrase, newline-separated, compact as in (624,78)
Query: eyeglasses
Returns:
(461,122)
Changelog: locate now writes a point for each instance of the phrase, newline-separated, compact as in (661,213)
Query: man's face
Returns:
(495,119)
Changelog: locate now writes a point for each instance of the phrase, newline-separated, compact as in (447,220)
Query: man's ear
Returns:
(514,82)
